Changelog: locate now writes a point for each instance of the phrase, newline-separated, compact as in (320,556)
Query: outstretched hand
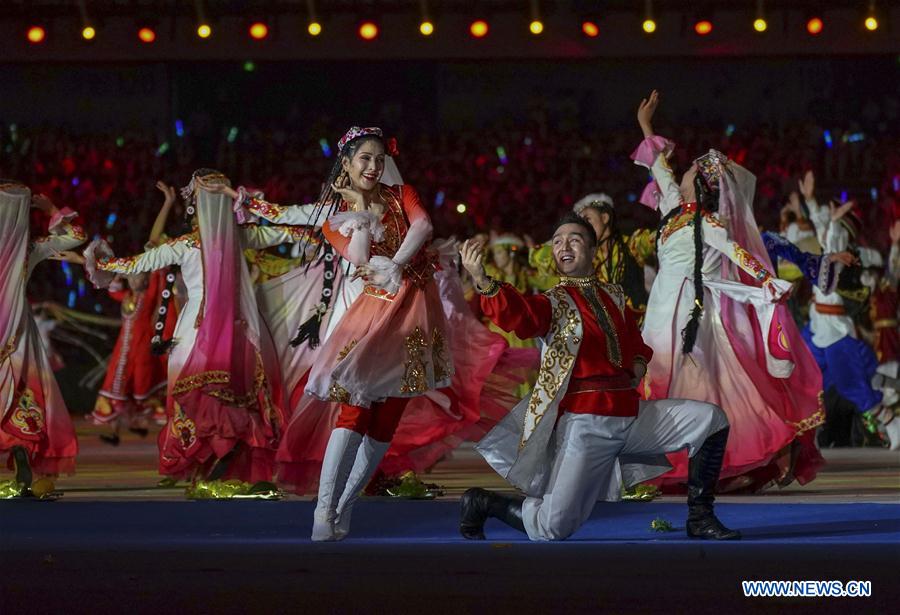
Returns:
(168,192)
(895,232)
(42,202)
(845,258)
(68,256)
(217,188)
(472,254)
(839,212)
(645,113)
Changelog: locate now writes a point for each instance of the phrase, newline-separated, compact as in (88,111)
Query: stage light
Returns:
(259,31)
(703,27)
(314,28)
(590,29)
(368,31)
(649,24)
(479,29)
(147,35)
(249,66)
(461,208)
(536,27)
(760,24)
(871,23)
(814,26)
(36,34)
(426,28)
(204,30)
(88,33)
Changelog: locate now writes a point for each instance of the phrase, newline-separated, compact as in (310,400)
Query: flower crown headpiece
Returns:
(356,132)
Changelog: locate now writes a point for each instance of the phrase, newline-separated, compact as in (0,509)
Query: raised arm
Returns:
(159,225)
(298,215)
(526,316)
(653,153)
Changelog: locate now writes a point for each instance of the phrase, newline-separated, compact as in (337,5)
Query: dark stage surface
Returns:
(115,543)
(404,556)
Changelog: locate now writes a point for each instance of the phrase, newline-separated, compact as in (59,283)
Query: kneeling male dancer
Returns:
(584,430)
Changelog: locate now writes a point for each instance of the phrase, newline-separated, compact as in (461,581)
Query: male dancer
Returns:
(593,358)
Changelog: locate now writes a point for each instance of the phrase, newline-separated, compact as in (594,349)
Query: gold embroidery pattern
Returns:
(748,263)
(28,417)
(182,427)
(346,350)
(812,421)
(338,394)
(439,359)
(222,377)
(267,210)
(613,349)
(676,224)
(556,363)
(415,377)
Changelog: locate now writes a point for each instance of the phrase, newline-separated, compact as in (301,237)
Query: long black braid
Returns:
(627,271)
(328,201)
(707,201)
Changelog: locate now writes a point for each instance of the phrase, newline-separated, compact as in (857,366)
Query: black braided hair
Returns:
(707,201)
(632,276)
(329,200)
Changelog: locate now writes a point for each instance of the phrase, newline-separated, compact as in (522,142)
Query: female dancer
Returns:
(224,391)
(34,423)
(136,377)
(709,343)
(314,299)
(391,344)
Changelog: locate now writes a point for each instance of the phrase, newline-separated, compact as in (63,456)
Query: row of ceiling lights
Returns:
(479,28)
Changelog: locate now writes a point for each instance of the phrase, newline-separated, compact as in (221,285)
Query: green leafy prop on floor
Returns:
(642,493)
(661,525)
(232,490)
(407,486)
(42,489)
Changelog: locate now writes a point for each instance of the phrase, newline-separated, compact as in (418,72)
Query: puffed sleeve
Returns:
(663,192)
(64,234)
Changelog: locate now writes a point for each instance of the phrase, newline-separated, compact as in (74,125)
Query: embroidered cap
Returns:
(355,132)
(710,166)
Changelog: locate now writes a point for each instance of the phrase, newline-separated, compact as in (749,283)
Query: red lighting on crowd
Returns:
(147,35)
(259,31)
(814,26)
(703,27)
(590,29)
(479,29)
(36,34)
(368,31)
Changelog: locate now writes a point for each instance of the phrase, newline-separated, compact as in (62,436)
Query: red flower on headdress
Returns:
(391,145)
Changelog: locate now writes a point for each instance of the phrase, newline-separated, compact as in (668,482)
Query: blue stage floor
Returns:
(137,557)
(135,524)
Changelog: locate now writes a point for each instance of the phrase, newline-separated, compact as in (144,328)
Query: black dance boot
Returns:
(703,474)
(22,465)
(476,505)
(220,467)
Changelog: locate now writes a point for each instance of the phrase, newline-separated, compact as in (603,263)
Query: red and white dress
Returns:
(33,414)
(135,380)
